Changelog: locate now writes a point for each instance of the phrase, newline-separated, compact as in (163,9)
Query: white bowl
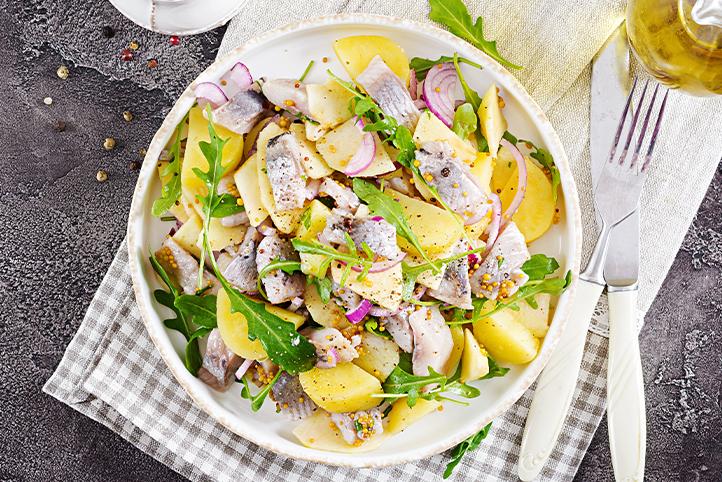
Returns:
(285,53)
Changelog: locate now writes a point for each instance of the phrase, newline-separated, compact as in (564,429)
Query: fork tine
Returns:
(643,132)
(618,134)
(633,127)
(653,140)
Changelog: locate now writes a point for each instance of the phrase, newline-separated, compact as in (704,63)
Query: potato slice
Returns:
(233,327)
(339,145)
(343,388)
(328,314)
(220,236)
(187,235)
(482,169)
(457,335)
(402,416)
(504,168)
(492,121)
(474,363)
(505,338)
(316,432)
(252,136)
(328,103)
(430,128)
(536,212)
(313,221)
(246,178)
(536,320)
(383,288)
(378,356)
(285,221)
(192,185)
(437,229)
(357,51)
(313,164)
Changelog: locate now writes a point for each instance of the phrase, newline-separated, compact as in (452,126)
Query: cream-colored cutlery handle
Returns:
(556,385)
(625,389)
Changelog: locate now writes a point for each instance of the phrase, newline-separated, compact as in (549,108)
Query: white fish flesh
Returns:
(290,398)
(285,172)
(379,235)
(500,274)
(389,92)
(455,287)
(332,347)
(432,340)
(344,197)
(288,94)
(359,426)
(241,272)
(279,286)
(240,113)
(400,330)
(219,363)
(184,268)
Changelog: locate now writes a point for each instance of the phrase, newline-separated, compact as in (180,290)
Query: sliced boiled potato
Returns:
(436,229)
(492,121)
(233,327)
(402,416)
(252,136)
(328,103)
(482,169)
(430,278)
(378,355)
(314,131)
(187,235)
(191,184)
(176,209)
(457,335)
(285,221)
(316,432)
(220,236)
(475,363)
(313,164)
(536,212)
(246,178)
(536,319)
(505,338)
(313,221)
(383,288)
(339,146)
(504,168)
(430,128)
(328,314)
(357,51)
(343,388)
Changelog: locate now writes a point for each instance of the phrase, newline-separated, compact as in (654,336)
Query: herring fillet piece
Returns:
(280,286)
(455,287)
(389,92)
(289,94)
(241,272)
(219,363)
(432,340)
(400,330)
(285,173)
(502,264)
(240,113)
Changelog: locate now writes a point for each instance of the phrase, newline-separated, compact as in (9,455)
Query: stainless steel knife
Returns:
(625,385)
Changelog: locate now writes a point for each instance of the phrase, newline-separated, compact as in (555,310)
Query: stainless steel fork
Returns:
(616,197)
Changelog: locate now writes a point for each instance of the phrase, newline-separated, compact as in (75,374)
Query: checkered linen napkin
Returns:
(112,373)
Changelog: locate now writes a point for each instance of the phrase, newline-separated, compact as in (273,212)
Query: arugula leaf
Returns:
(510,137)
(402,383)
(470,94)
(454,15)
(553,286)
(472,443)
(495,370)
(422,66)
(381,204)
(372,326)
(286,265)
(411,273)
(323,286)
(171,191)
(332,254)
(258,399)
(465,120)
(546,159)
(539,266)
(201,308)
(227,205)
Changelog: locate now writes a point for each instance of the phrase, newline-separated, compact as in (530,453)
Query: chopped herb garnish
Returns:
(323,286)
(331,254)
(305,72)
(372,326)
(546,159)
(258,399)
(411,273)
(422,66)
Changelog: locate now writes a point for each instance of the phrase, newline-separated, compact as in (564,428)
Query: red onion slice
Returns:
(379,312)
(235,80)
(493,229)
(209,93)
(365,154)
(413,85)
(378,219)
(521,185)
(420,104)
(244,368)
(358,313)
(438,89)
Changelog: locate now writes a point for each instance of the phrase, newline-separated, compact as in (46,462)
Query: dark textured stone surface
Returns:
(59,230)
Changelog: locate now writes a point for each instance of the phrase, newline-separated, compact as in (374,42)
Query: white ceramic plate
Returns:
(285,53)
(179,17)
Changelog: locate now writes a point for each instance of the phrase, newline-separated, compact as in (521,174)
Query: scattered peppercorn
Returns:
(174,40)
(152,63)
(109,144)
(134,165)
(63,72)
(126,55)
(59,126)
(324,60)
(101,176)
(142,152)
(48,100)
(128,116)
(445,172)
(134,45)
(108,31)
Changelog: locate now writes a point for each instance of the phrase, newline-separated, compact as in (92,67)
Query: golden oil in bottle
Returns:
(679,42)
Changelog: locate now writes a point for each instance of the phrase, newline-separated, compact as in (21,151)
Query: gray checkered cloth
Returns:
(112,373)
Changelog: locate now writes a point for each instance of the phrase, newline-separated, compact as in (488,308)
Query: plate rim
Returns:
(299,452)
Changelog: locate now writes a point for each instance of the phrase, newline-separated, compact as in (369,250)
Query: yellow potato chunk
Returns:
(536,212)
(220,236)
(357,51)
(343,388)
(328,314)
(402,416)
(339,146)
(457,335)
(233,327)
(504,168)
(192,185)
(246,178)
(506,339)
(492,121)
(313,165)
(430,128)
(378,356)
(316,432)
(383,288)
(328,103)
(436,229)
(313,221)
(482,169)
(187,235)
(252,136)
(475,363)
(536,320)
